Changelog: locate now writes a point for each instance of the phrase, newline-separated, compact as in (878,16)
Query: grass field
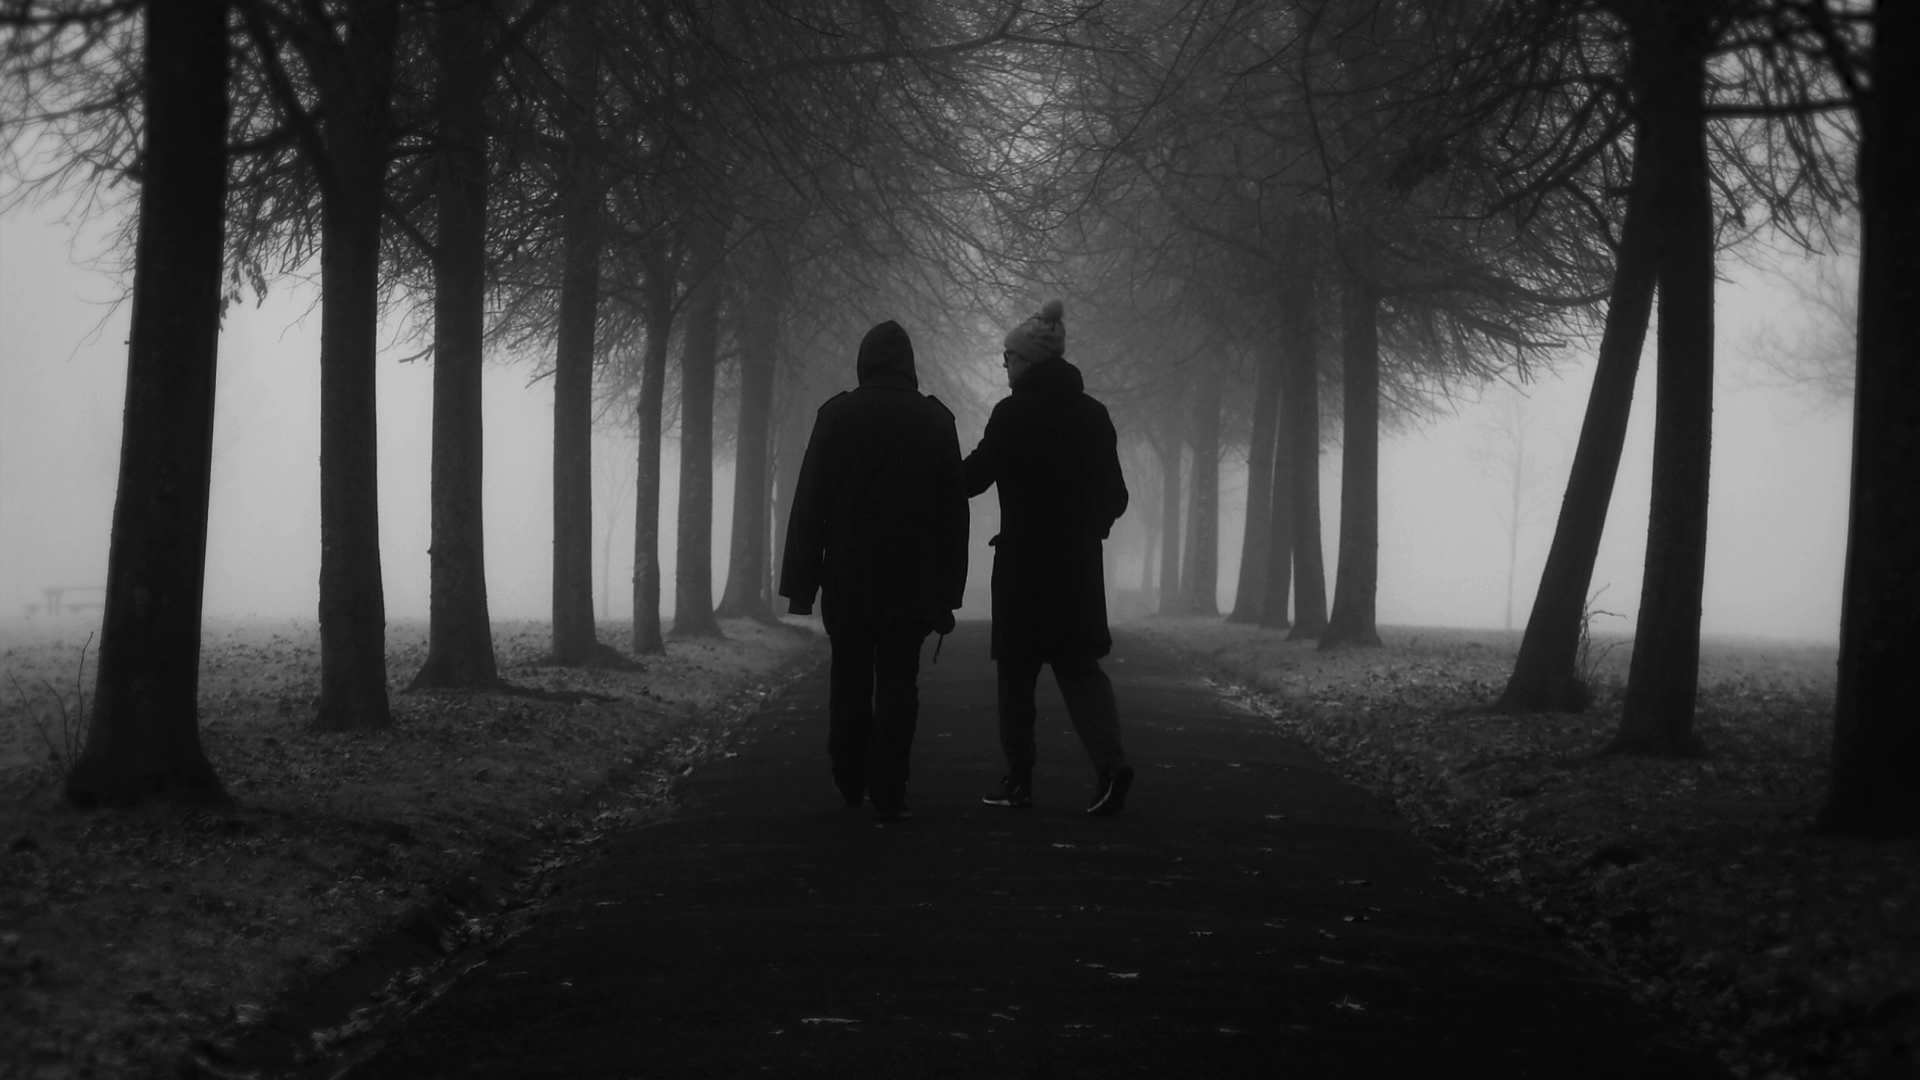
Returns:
(1698,882)
(131,941)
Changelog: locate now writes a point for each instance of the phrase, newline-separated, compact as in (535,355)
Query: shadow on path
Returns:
(1250,914)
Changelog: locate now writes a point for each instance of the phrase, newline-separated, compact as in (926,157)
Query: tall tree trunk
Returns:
(1876,741)
(1357,578)
(1170,449)
(459,626)
(143,738)
(1545,674)
(1150,522)
(1300,425)
(1278,576)
(693,571)
(1663,678)
(574,640)
(1202,587)
(790,448)
(747,594)
(659,286)
(356,98)
(1250,593)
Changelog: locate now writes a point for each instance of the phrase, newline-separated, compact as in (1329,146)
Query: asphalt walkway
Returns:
(1249,914)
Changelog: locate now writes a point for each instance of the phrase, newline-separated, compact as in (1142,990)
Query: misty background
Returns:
(1776,541)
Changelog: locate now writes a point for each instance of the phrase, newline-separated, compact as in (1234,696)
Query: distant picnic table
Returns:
(56,602)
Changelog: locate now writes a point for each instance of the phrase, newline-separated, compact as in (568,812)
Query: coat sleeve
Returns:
(982,467)
(803,564)
(1110,483)
(953,516)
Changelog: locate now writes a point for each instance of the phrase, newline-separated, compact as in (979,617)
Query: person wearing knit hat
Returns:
(1052,452)
(879,530)
(1042,336)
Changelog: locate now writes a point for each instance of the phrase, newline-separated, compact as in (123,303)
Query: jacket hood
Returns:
(886,358)
(1051,376)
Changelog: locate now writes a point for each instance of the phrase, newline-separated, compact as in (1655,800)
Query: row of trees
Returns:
(1359,200)
(1350,201)
(744,182)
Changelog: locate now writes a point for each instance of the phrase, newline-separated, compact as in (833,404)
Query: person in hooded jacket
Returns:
(879,529)
(1052,451)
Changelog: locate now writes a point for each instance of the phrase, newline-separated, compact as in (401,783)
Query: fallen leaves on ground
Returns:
(125,936)
(1699,882)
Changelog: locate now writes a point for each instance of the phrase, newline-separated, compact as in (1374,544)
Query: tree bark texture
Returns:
(747,594)
(143,737)
(1876,739)
(1663,678)
(793,428)
(1277,579)
(1170,450)
(574,639)
(1357,578)
(1201,588)
(459,626)
(1300,426)
(693,570)
(659,286)
(1546,675)
(355,103)
(1250,592)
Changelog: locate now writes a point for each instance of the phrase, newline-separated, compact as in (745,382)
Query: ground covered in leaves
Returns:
(1697,882)
(131,942)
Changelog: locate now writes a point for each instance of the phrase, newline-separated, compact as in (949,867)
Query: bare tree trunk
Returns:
(1358,575)
(693,570)
(355,102)
(1544,676)
(1151,518)
(1202,588)
(459,626)
(1278,576)
(791,447)
(1663,679)
(1876,741)
(1250,593)
(747,594)
(647,637)
(1170,449)
(143,738)
(1300,423)
(574,639)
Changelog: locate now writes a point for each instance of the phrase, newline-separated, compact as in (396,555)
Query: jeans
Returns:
(873,705)
(1090,705)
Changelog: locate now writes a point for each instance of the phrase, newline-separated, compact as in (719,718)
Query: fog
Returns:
(1776,545)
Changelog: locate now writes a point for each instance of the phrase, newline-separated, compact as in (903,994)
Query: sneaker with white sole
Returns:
(1110,794)
(1014,790)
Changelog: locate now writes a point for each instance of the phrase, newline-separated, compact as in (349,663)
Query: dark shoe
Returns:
(889,815)
(1111,793)
(1013,790)
(855,799)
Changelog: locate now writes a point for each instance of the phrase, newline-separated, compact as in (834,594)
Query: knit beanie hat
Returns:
(1042,336)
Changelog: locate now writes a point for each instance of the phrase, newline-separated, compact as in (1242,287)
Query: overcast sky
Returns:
(1778,517)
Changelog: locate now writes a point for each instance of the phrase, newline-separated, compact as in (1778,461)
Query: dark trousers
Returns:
(1090,706)
(872,707)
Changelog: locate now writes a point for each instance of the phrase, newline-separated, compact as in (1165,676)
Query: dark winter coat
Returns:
(1051,449)
(879,520)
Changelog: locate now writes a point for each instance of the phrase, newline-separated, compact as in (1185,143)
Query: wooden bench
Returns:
(58,604)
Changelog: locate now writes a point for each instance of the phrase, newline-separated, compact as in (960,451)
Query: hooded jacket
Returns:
(879,518)
(1053,453)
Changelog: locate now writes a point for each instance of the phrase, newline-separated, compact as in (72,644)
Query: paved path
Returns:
(1250,914)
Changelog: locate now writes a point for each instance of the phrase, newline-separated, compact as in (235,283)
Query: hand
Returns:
(943,623)
(799,607)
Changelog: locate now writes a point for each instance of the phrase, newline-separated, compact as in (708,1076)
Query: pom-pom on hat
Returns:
(1042,336)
